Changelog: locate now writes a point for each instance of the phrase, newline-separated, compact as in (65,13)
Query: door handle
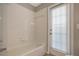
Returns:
(50,29)
(50,33)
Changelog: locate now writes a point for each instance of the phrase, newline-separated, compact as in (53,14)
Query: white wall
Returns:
(41,26)
(18,26)
(76,30)
(0,26)
(1,41)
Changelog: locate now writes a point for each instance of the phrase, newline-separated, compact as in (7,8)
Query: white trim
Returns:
(48,52)
(72,28)
(53,5)
(68,29)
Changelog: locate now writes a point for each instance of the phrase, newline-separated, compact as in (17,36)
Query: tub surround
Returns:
(21,30)
(30,50)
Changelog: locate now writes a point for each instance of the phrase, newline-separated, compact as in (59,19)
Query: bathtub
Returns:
(30,50)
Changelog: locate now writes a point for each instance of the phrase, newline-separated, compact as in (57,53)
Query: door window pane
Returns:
(59,28)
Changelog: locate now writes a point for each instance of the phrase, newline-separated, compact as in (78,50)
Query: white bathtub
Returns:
(30,50)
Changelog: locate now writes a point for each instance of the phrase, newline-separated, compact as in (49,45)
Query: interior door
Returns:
(59,30)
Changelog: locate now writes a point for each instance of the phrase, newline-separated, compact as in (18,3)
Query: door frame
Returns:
(70,26)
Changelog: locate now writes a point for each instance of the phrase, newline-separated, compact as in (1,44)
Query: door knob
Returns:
(50,29)
(50,33)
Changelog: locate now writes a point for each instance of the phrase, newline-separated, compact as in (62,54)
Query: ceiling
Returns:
(35,4)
